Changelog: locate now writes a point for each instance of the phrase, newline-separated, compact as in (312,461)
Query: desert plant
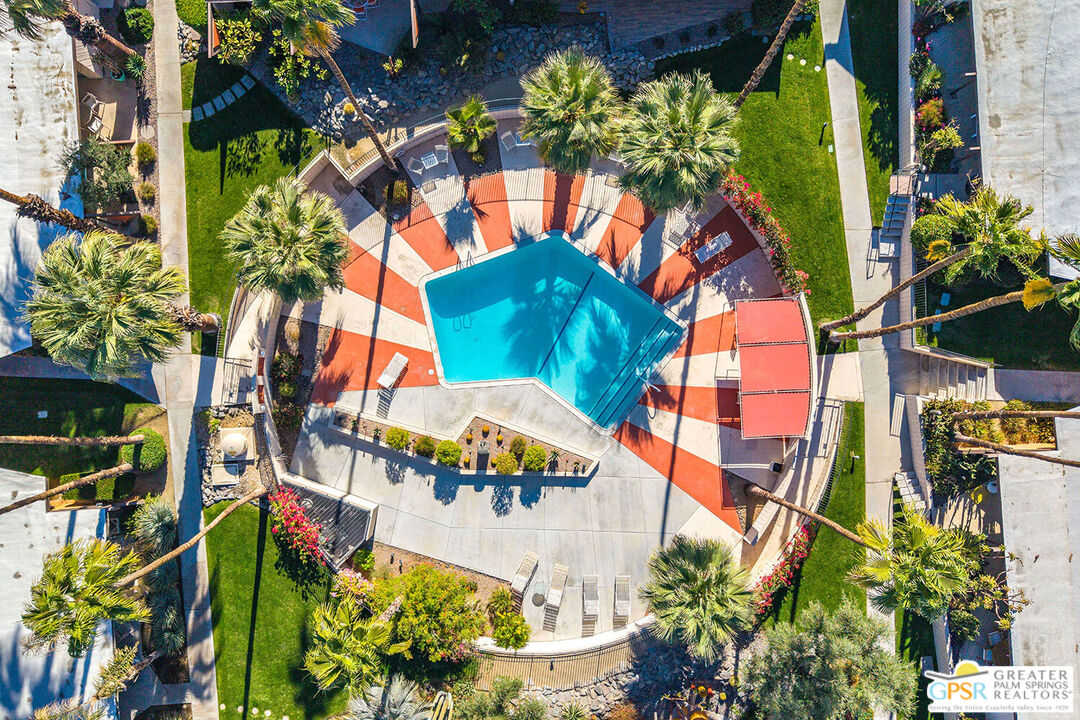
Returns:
(424,446)
(145,154)
(347,648)
(518,445)
(506,464)
(136,25)
(148,455)
(573,711)
(393,67)
(500,602)
(135,67)
(154,525)
(928,81)
(397,438)
(147,193)
(534,459)
(448,453)
(943,139)
(239,38)
(398,699)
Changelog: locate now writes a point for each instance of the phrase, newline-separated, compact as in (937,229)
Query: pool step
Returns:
(617,398)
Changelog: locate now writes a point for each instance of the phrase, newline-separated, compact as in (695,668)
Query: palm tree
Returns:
(76,591)
(154,525)
(398,699)
(677,141)
(699,593)
(64,487)
(770,54)
(571,107)
(991,226)
(29,17)
(469,124)
(32,207)
(288,241)
(100,306)
(758,491)
(1009,450)
(347,647)
(917,567)
(309,27)
(102,441)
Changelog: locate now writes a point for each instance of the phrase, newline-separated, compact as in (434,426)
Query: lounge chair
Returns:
(554,596)
(590,596)
(524,573)
(393,372)
(524,141)
(415,166)
(508,140)
(442,153)
(94,125)
(622,600)
(713,247)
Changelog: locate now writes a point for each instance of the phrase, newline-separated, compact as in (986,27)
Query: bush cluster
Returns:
(534,459)
(1019,431)
(951,473)
(424,446)
(448,453)
(506,464)
(148,455)
(147,193)
(239,38)
(397,438)
(518,445)
(147,225)
(145,154)
(136,25)
(192,13)
(928,229)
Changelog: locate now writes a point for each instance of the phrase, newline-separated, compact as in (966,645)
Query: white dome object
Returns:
(234,444)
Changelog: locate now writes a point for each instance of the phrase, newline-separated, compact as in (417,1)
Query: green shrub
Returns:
(397,438)
(135,67)
(145,153)
(928,82)
(73,493)
(287,416)
(239,38)
(448,453)
(500,602)
(106,489)
(147,224)
(136,25)
(287,389)
(769,13)
(398,192)
(148,455)
(518,445)
(364,560)
(103,169)
(930,115)
(506,464)
(511,631)
(950,472)
(424,446)
(147,193)
(535,458)
(929,228)
(193,13)
(88,492)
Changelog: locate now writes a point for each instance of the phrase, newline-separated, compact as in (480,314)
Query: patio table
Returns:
(713,247)
(429,160)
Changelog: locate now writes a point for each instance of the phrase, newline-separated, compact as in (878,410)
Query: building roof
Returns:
(29,681)
(38,115)
(1040,515)
(1028,64)
(775,380)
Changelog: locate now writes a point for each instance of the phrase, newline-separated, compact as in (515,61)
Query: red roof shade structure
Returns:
(774,368)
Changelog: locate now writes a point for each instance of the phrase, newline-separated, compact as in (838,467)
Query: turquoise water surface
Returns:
(547,311)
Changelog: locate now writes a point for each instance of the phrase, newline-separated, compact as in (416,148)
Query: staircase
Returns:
(896,209)
(910,490)
(944,377)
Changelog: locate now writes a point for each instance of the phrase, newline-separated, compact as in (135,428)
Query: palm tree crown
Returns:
(76,591)
(399,699)
(308,25)
(29,17)
(699,593)
(288,241)
(348,648)
(100,306)
(570,106)
(677,141)
(918,567)
(469,124)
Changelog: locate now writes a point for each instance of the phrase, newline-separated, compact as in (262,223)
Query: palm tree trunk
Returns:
(971,309)
(105,441)
(180,549)
(132,673)
(860,314)
(759,71)
(965,440)
(32,207)
(758,491)
(364,120)
(107,43)
(59,489)
(1003,413)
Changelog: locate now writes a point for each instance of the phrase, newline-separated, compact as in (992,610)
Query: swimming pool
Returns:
(547,311)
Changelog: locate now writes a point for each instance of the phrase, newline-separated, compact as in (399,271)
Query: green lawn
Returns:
(260,620)
(779,129)
(873,45)
(252,142)
(76,408)
(823,575)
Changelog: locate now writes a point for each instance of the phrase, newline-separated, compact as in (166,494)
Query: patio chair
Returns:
(442,153)
(994,638)
(523,141)
(622,600)
(524,574)
(590,604)
(393,372)
(554,596)
(94,125)
(508,140)
(415,166)
(90,100)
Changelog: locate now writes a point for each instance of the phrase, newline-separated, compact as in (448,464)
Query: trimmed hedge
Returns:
(424,446)
(535,458)
(193,13)
(73,493)
(136,25)
(397,438)
(518,445)
(105,490)
(151,451)
(448,453)
(928,229)
(506,464)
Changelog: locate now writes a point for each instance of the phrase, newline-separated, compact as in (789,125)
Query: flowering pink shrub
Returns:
(291,527)
(759,215)
(350,582)
(783,574)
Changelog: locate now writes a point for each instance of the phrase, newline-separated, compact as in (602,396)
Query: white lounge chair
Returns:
(590,596)
(508,140)
(415,166)
(524,141)
(622,600)
(713,247)
(524,573)
(554,596)
(393,372)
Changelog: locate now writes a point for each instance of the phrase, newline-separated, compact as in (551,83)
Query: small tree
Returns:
(469,124)
(511,631)
(102,169)
(347,648)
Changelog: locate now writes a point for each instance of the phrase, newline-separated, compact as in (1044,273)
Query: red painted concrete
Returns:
(709,336)
(354,362)
(698,478)
(562,195)
(629,221)
(366,275)
(698,403)
(487,195)
(682,271)
(422,231)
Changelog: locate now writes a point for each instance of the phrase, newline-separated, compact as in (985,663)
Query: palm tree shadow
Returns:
(308,696)
(260,553)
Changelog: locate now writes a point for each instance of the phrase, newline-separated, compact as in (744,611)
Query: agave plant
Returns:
(154,525)
(398,699)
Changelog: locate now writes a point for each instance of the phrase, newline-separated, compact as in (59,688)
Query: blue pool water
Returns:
(547,311)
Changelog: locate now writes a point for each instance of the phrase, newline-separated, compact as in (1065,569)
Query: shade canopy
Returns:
(774,368)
